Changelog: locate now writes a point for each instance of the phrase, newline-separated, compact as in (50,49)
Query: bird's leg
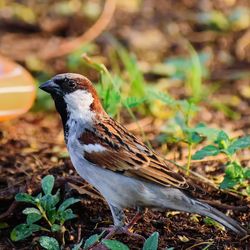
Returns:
(119,228)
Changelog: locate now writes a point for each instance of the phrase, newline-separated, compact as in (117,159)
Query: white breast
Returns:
(116,188)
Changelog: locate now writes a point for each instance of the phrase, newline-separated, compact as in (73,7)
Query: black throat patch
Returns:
(61,108)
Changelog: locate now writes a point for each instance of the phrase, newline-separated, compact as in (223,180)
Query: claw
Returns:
(112,230)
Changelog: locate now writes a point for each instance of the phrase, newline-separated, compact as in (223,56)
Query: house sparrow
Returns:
(123,169)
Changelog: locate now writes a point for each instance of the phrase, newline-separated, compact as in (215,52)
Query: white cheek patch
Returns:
(90,148)
(78,104)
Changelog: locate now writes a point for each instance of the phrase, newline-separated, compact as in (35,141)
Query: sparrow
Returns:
(121,167)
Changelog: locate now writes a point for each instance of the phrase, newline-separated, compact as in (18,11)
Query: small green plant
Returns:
(179,130)
(108,87)
(184,110)
(192,70)
(45,206)
(210,222)
(49,243)
(150,244)
(112,89)
(235,173)
(135,79)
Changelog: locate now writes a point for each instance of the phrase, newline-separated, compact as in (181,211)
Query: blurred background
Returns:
(176,44)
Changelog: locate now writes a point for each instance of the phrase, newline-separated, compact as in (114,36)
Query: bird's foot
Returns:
(112,230)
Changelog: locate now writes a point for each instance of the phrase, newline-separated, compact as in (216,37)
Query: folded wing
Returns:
(123,152)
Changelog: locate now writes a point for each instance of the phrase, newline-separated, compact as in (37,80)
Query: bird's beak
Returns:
(49,87)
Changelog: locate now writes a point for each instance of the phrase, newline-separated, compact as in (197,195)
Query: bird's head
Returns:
(74,95)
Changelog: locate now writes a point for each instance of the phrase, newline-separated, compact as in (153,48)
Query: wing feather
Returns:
(126,154)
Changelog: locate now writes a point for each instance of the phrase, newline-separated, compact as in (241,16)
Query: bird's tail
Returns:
(206,210)
(177,200)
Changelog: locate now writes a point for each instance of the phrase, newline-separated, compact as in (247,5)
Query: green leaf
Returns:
(56,228)
(228,182)
(132,102)
(136,79)
(210,133)
(39,196)
(47,202)
(163,97)
(179,67)
(248,190)
(187,107)
(193,137)
(235,174)
(234,171)
(110,95)
(91,241)
(211,222)
(52,214)
(194,75)
(223,136)
(222,140)
(209,150)
(77,246)
(67,203)
(49,243)
(152,242)
(114,245)
(31,218)
(23,231)
(56,198)
(23,197)
(240,143)
(247,173)
(66,215)
(31,210)
(48,184)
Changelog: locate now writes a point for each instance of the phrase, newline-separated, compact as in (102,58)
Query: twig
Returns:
(208,243)
(98,27)
(79,233)
(225,206)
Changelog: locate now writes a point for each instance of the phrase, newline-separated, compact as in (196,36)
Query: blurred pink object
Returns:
(17,89)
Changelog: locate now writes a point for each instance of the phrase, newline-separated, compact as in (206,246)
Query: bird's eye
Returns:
(71,84)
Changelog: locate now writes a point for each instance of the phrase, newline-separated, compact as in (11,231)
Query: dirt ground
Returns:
(28,153)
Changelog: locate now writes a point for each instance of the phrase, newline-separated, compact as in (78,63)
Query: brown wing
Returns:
(125,153)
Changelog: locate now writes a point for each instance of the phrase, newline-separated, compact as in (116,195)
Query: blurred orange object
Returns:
(17,89)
